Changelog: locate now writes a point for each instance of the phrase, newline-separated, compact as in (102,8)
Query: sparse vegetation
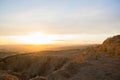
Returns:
(90,63)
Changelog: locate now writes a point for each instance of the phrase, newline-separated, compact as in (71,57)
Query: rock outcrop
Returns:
(112,45)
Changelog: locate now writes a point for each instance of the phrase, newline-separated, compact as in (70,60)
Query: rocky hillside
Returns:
(91,63)
(112,45)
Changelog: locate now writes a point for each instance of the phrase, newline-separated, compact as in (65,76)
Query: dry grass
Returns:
(90,63)
(6,76)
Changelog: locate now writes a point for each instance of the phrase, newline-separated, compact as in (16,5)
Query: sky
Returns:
(83,21)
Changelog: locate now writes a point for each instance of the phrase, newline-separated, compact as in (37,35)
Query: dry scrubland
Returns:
(95,62)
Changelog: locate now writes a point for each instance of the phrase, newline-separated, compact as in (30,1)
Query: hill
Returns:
(93,62)
(112,45)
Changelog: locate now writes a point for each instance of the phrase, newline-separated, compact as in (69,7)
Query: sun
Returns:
(36,38)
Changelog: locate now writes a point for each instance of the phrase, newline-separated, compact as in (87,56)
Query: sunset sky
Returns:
(58,21)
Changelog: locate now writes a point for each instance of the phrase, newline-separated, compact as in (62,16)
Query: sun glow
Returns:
(40,38)
(37,38)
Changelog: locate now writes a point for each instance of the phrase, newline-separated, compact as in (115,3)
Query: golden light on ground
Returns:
(37,38)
